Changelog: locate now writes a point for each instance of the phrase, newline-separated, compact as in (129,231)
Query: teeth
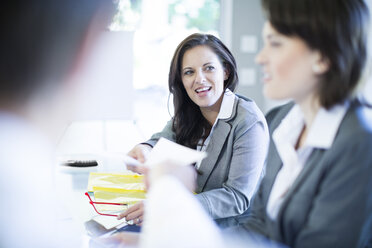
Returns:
(202,89)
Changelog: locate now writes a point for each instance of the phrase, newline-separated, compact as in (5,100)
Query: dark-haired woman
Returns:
(210,117)
(317,187)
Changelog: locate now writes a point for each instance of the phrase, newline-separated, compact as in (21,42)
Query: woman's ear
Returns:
(320,65)
(226,74)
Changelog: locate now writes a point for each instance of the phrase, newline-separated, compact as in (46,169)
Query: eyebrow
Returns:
(187,68)
(271,36)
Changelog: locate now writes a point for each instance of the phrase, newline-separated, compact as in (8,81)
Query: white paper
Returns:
(166,151)
(108,221)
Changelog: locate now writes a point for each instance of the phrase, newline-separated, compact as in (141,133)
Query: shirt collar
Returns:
(227,105)
(322,132)
(325,126)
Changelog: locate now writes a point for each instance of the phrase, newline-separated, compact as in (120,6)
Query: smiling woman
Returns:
(210,117)
(205,61)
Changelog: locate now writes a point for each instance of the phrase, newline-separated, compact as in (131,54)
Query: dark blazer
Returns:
(230,173)
(330,203)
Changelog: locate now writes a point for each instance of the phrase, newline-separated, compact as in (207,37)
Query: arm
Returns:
(248,156)
(140,151)
(165,133)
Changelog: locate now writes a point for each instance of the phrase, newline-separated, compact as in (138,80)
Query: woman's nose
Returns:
(260,57)
(200,77)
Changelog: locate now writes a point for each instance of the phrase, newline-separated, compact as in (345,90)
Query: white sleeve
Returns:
(174,218)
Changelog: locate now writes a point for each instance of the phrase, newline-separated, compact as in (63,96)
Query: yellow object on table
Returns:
(116,188)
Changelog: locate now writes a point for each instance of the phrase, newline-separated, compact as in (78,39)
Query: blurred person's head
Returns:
(202,68)
(313,49)
(43,45)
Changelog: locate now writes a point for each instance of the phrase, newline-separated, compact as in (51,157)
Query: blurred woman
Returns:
(317,187)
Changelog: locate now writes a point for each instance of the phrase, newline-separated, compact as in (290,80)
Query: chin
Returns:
(206,104)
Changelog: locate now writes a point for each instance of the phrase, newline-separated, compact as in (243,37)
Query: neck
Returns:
(211,113)
(309,107)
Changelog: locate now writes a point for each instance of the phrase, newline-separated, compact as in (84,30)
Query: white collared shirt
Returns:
(321,135)
(226,110)
(28,208)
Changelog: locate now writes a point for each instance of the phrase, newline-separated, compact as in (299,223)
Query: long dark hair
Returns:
(337,29)
(189,125)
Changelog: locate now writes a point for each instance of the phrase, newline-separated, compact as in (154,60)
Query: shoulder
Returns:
(246,111)
(277,114)
(356,127)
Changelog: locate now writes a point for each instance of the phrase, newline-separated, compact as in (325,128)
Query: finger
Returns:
(141,157)
(133,208)
(132,168)
(133,153)
(134,216)
(137,153)
(138,221)
(142,169)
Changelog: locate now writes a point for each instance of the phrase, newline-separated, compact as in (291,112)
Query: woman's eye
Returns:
(275,43)
(209,68)
(187,72)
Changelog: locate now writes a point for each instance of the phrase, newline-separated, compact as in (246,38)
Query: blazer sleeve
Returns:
(165,133)
(248,157)
(345,189)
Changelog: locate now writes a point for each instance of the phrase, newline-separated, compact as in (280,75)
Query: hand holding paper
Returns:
(168,151)
(140,152)
(164,150)
(167,158)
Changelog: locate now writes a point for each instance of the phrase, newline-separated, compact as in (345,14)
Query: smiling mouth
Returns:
(203,89)
(266,76)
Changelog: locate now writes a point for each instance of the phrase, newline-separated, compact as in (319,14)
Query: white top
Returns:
(321,135)
(29,209)
(227,107)
(174,218)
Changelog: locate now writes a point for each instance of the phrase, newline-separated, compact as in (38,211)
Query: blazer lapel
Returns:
(214,149)
(313,160)
(275,163)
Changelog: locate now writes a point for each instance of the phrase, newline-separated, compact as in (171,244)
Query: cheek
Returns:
(293,78)
(294,71)
(286,68)
(188,87)
(219,82)
(186,84)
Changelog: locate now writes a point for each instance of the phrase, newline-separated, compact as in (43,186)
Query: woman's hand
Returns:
(134,213)
(140,153)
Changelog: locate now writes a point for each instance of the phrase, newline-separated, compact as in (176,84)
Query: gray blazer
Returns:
(236,153)
(330,203)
